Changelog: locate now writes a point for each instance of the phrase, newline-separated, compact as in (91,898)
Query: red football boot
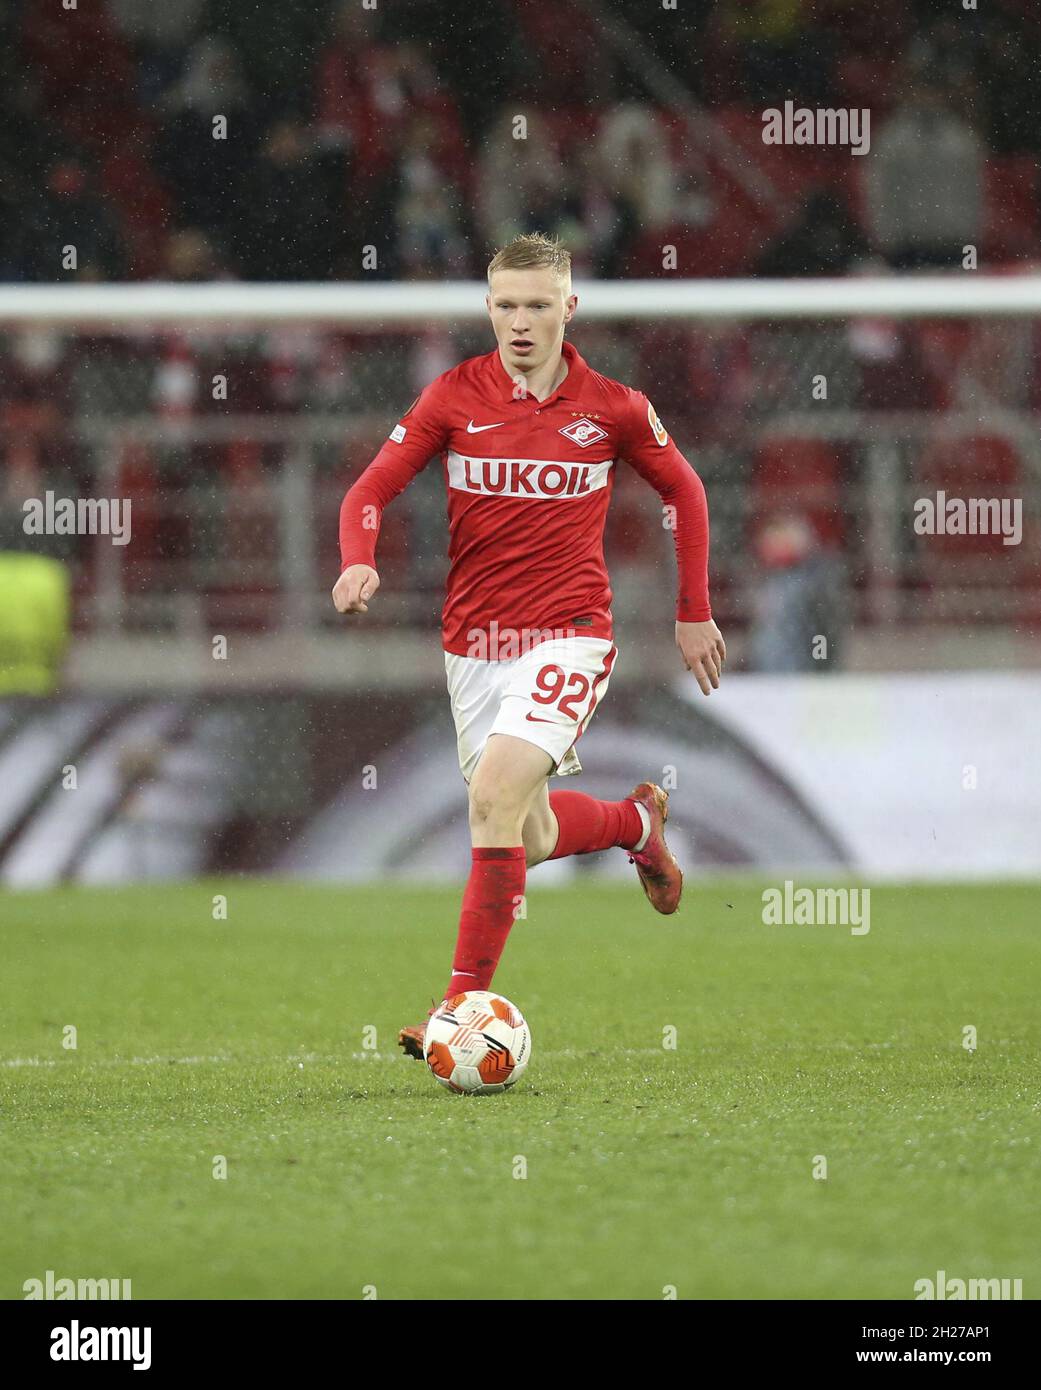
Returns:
(660,875)
(411,1039)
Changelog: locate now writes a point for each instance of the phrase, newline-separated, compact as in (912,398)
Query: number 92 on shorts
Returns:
(546,696)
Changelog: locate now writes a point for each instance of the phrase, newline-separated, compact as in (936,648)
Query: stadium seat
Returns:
(979,575)
(1012,227)
(145,210)
(801,474)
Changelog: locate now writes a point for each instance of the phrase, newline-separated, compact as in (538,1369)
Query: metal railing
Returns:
(256,548)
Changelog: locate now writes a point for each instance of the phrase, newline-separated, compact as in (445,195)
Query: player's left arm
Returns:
(649,449)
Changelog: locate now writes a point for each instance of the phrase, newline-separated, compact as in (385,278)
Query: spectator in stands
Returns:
(520,179)
(635,170)
(428,209)
(205,172)
(570,56)
(942,55)
(693,199)
(159,34)
(28,144)
(457,41)
(1007,52)
(35,396)
(289,221)
(171,23)
(369,90)
(644,196)
(70,213)
(593,229)
(924,183)
(890,368)
(824,241)
(781,54)
(633,159)
(368,95)
(800,599)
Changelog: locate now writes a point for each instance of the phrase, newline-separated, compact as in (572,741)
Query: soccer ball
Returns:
(477,1043)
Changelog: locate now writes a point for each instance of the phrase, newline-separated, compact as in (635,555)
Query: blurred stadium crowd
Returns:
(393,128)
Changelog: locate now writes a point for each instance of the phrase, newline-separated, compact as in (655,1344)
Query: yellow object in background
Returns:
(766,20)
(34,623)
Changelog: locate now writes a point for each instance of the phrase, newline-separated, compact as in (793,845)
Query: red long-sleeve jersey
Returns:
(528,485)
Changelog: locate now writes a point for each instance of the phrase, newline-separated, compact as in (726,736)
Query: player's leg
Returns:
(561,823)
(540,831)
(508,777)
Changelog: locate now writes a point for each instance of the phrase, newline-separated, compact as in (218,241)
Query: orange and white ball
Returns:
(477,1043)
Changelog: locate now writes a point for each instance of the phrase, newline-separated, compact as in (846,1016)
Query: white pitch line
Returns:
(299,1058)
(156,1061)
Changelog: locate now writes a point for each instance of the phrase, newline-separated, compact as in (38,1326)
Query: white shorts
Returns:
(546,696)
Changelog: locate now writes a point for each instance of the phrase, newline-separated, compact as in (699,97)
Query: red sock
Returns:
(493,893)
(587,825)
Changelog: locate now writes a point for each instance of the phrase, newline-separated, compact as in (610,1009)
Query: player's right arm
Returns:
(418,435)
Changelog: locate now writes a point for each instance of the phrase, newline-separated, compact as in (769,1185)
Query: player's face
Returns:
(529,309)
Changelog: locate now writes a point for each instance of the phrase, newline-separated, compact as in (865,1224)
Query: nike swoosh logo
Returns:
(536,720)
(478,429)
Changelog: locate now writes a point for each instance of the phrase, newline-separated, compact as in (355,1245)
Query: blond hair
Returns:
(533,252)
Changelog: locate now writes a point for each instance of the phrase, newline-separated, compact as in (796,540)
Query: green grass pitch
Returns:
(647,1167)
